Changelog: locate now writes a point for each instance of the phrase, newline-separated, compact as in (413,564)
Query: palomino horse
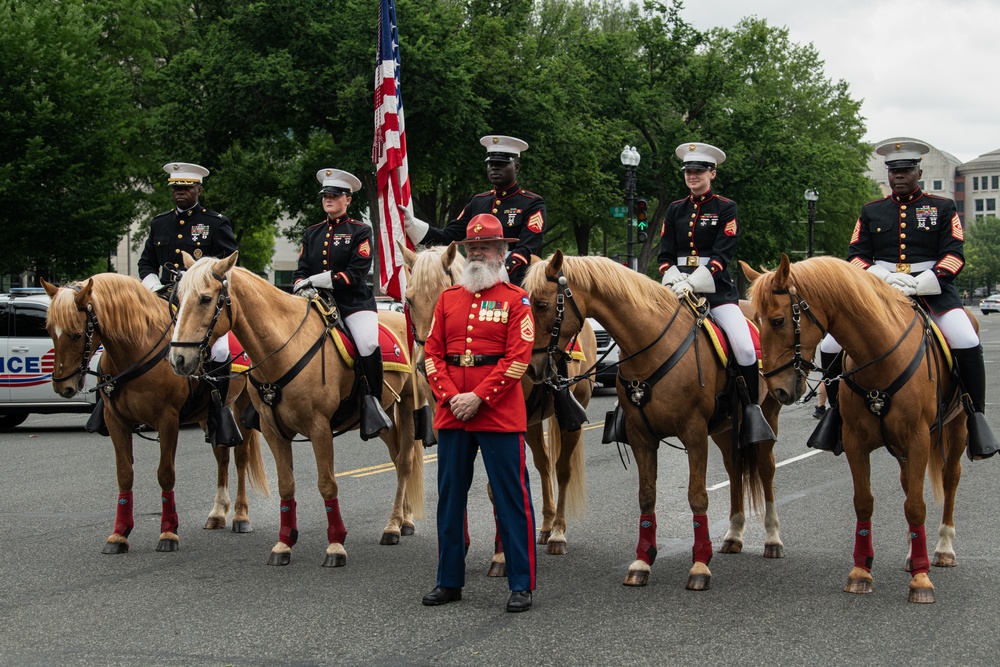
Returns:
(134,326)
(654,333)
(907,409)
(301,380)
(431,272)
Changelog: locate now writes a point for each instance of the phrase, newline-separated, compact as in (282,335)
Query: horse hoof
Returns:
(336,560)
(942,559)
(922,595)
(774,551)
(699,582)
(543,536)
(279,558)
(215,523)
(731,547)
(115,548)
(556,548)
(858,586)
(406,531)
(637,578)
(168,545)
(242,527)
(388,539)
(497,570)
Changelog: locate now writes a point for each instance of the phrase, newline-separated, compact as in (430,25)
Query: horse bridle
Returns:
(799,308)
(222,303)
(88,346)
(563,295)
(413,327)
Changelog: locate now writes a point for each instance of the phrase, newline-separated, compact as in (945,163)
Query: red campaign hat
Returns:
(485,227)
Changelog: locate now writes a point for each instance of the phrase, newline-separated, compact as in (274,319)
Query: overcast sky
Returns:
(923,68)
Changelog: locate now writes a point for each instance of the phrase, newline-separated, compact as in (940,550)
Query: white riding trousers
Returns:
(954,324)
(363,326)
(731,319)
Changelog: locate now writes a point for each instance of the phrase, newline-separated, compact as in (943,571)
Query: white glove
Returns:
(904,282)
(878,272)
(926,284)
(681,286)
(702,280)
(301,285)
(671,276)
(323,280)
(152,283)
(416,229)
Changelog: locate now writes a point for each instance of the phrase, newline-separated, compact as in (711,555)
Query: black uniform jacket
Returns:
(521,214)
(702,230)
(344,248)
(913,229)
(200,231)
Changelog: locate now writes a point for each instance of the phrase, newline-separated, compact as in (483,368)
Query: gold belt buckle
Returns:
(692,260)
(902,268)
(465,359)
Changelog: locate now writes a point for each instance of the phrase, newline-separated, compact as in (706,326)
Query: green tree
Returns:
(982,255)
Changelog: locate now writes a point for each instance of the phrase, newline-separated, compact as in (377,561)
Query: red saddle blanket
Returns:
(721,345)
(395,356)
(241,362)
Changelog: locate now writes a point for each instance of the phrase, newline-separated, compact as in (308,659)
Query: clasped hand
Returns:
(464,406)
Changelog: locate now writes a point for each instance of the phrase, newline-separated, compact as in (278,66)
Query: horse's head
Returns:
(204,312)
(432,271)
(74,336)
(558,314)
(788,333)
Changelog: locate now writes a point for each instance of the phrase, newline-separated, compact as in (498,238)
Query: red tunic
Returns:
(496,321)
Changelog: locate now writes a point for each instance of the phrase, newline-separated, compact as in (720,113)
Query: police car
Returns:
(607,352)
(26,360)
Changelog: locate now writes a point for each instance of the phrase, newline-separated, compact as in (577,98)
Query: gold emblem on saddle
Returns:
(466,359)
(691,260)
(902,268)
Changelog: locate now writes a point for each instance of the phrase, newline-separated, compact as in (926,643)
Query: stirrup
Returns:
(827,434)
(614,426)
(982,444)
(373,418)
(569,413)
(754,427)
(222,429)
(95,423)
(423,426)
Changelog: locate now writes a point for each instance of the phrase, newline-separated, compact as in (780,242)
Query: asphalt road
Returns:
(216,602)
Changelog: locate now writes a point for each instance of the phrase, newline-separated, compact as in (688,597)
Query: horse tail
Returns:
(256,475)
(575,491)
(414,496)
(748,464)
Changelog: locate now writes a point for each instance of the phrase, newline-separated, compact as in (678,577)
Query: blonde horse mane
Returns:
(200,276)
(614,282)
(831,280)
(426,276)
(126,311)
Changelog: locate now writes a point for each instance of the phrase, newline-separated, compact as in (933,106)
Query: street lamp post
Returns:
(630,160)
(812,196)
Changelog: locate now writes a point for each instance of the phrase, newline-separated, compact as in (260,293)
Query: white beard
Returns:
(479,275)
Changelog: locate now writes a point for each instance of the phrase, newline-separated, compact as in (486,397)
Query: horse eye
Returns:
(205,300)
(777,322)
(541,305)
(76,336)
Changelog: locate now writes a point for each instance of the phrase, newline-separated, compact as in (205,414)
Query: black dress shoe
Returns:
(519,601)
(444,595)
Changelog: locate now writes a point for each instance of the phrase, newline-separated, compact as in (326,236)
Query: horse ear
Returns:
(82,297)
(226,265)
(409,257)
(188,259)
(50,289)
(783,272)
(555,264)
(749,272)
(449,255)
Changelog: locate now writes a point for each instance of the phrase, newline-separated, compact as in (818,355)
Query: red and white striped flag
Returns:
(389,154)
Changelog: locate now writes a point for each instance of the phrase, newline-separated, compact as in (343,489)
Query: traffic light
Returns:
(641,215)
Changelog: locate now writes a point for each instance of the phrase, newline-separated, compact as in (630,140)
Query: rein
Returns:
(222,302)
(799,307)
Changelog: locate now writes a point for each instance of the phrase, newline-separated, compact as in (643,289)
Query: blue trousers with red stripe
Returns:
(504,458)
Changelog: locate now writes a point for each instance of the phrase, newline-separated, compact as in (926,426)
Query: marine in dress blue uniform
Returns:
(699,239)
(914,241)
(478,349)
(336,256)
(521,213)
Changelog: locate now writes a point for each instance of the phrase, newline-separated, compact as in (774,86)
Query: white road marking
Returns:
(722,485)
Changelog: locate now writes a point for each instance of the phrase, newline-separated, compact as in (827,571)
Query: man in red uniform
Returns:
(478,348)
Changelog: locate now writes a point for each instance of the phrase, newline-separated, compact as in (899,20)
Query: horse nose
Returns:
(67,392)
(783,396)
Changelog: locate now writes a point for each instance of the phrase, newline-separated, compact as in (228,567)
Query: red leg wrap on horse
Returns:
(336,531)
(168,515)
(701,552)
(864,553)
(123,514)
(646,551)
(918,550)
(288,532)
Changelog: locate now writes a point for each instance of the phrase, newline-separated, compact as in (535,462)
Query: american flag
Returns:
(389,154)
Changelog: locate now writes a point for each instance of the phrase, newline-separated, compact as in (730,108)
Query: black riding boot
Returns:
(754,427)
(222,429)
(982,443)
(827,434)
(373,417)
